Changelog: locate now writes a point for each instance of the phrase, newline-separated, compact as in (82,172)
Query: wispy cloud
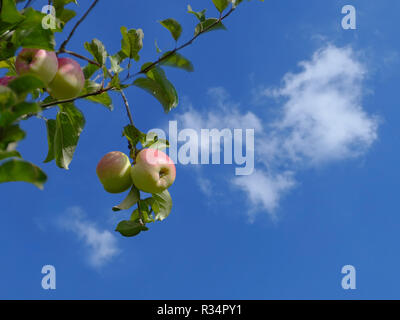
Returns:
(101,245)
(224,114)
(265,190)
(320,120)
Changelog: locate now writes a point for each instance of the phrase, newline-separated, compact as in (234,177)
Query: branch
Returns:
(64,44)
(27,4)
(53,103)
(128,110)
(163,58)
(144,71)
(79,56)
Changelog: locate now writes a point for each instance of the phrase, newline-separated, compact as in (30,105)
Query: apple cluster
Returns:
(63,77)
(153,171)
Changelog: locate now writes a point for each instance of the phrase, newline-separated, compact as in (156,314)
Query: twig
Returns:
(27,4)
(165,57)
(79,56)
(147,69)
(128,110)
(53,103)
(64,44)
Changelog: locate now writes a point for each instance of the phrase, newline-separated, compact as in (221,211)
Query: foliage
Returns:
(104,72)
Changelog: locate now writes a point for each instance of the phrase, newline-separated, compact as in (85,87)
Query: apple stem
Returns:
(140,212)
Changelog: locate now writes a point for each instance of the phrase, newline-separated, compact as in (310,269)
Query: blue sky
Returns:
(323,103)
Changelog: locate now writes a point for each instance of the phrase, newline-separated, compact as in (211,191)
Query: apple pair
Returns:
(153,172)
(62,76)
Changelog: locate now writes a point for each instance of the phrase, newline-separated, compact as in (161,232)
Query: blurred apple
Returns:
(39,62)
(153,172)
(68,81)
(5,80)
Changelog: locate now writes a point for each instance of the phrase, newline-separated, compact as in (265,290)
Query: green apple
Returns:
(113,171)
(39,62)
(68,81)
(153,172)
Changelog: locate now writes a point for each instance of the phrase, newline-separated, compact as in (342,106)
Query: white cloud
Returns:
(323,119)
(205,185)
(101,244)
(320,119)
(224,114)
(264,189)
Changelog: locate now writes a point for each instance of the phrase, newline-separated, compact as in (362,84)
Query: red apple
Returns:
(113,171)
(5,80)
(39,62)
(68,81)
(153,172)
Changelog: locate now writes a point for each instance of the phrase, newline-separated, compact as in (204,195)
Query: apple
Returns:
(5,80)
(68,81)
(39,62)
(153,172)
(113,171)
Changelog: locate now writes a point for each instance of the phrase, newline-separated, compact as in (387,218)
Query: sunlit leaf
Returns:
(19,170)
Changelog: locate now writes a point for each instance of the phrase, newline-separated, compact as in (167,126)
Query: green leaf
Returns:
(17,111)
(31,34)
(129,228)
(132,42)
(155,206)
(173,26)
(176,60)
(131,199)
(201,15)
(91,86)
(18,170)
(221,5)
(163,201)
(134,135)
(69,125)
(66,15)
(119,56)
(59,4)
(63,15)
(115,82)
(7,49)
(9,154)
(157,47)
(90,70)
(10,65)
(25,84)
(146,216)
(51,132)
(76,116)
(152,141)
(97,50)
(10,135)
(9,12)
(159,87)
(208,25)
(115,64)
(7,97)
(102,98)
(235,3)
